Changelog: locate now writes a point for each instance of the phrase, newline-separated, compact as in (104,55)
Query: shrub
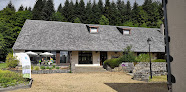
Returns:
(114,62)
(11,61)
(53,66)
(57,67)
(42,67)
(47,67)
(36,68)
(128,55)
(50,68)
(8,78)
(159,60)
(143,58)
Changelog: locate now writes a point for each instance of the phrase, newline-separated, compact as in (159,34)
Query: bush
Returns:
(57,67)
(53,66)
(36,68)
(47,67)
(8,78)
(11,61)
(159,60)
(114,62)
(143,58)
(42,67)
(50,68)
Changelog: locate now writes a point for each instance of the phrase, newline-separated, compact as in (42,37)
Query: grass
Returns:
(2,65)
(158,79)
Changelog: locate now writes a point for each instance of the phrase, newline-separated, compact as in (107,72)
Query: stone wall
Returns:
(142,70)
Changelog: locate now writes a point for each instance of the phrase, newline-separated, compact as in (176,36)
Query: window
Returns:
(93,29)
(126,31)
(85,57)
(63,56)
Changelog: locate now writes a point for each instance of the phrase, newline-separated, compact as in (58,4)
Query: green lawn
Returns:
(158,79)
(2,65)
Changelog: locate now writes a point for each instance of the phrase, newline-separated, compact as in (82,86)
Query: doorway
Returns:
(103,57)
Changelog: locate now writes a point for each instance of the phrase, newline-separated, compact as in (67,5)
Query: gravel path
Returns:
(78,82)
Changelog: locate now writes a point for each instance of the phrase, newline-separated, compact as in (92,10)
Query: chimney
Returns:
(162,29)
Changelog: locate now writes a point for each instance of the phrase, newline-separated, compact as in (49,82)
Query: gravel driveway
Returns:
(79,82)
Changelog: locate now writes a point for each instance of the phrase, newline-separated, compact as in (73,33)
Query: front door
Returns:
(103,57)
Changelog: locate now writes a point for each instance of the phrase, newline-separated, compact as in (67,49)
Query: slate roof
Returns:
(52,35)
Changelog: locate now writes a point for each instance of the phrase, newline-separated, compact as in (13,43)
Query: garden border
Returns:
(29,85)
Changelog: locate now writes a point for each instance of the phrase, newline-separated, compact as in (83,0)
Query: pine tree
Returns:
(135,14)
(10,6)
(76,7)
(21,8)
(95,13)
(60,9)
(71,11)
(113,14)
(48,10)
(66,10)
(100,5)
(37,10)
(121,10)
(107,9)
(82,10)
(128,11)
(88,14)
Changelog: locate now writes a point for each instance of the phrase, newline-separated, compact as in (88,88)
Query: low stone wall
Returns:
(142,70)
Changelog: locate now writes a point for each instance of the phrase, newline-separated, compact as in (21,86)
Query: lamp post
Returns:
(148,41)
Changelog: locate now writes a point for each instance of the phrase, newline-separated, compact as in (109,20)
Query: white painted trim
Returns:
(87,64)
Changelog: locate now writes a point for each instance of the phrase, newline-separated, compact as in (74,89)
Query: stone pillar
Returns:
(57,57)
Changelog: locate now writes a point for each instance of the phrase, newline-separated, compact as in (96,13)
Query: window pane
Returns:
(63,56)
(126,31)
(93,30)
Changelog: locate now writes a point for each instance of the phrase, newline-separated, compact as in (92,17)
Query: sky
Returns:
(30,3)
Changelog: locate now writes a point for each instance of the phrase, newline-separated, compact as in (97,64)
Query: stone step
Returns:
(89,69)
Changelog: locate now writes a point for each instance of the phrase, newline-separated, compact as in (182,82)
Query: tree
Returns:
(135,14)
(58,17)
(88,14)
(30,9)
(103,20)
(21,8)
(60,9)
(128,11)
(107,9)
(121,10)
(82,10)
(100,5)
(26,9)
(37,10)
(10,6)
(95,13)
(48,10)
(77,20)
(128,55)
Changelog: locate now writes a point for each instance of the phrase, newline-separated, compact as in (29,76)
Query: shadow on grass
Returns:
(138,87)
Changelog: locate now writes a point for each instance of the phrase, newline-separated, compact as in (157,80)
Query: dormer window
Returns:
(93,29)
(124,31)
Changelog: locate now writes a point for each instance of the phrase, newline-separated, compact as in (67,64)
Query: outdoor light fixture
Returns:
(149,42)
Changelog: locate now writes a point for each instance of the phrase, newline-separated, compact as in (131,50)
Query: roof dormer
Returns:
(124,31)
(93,29)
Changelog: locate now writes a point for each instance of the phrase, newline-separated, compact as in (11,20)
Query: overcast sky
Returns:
(17,3)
